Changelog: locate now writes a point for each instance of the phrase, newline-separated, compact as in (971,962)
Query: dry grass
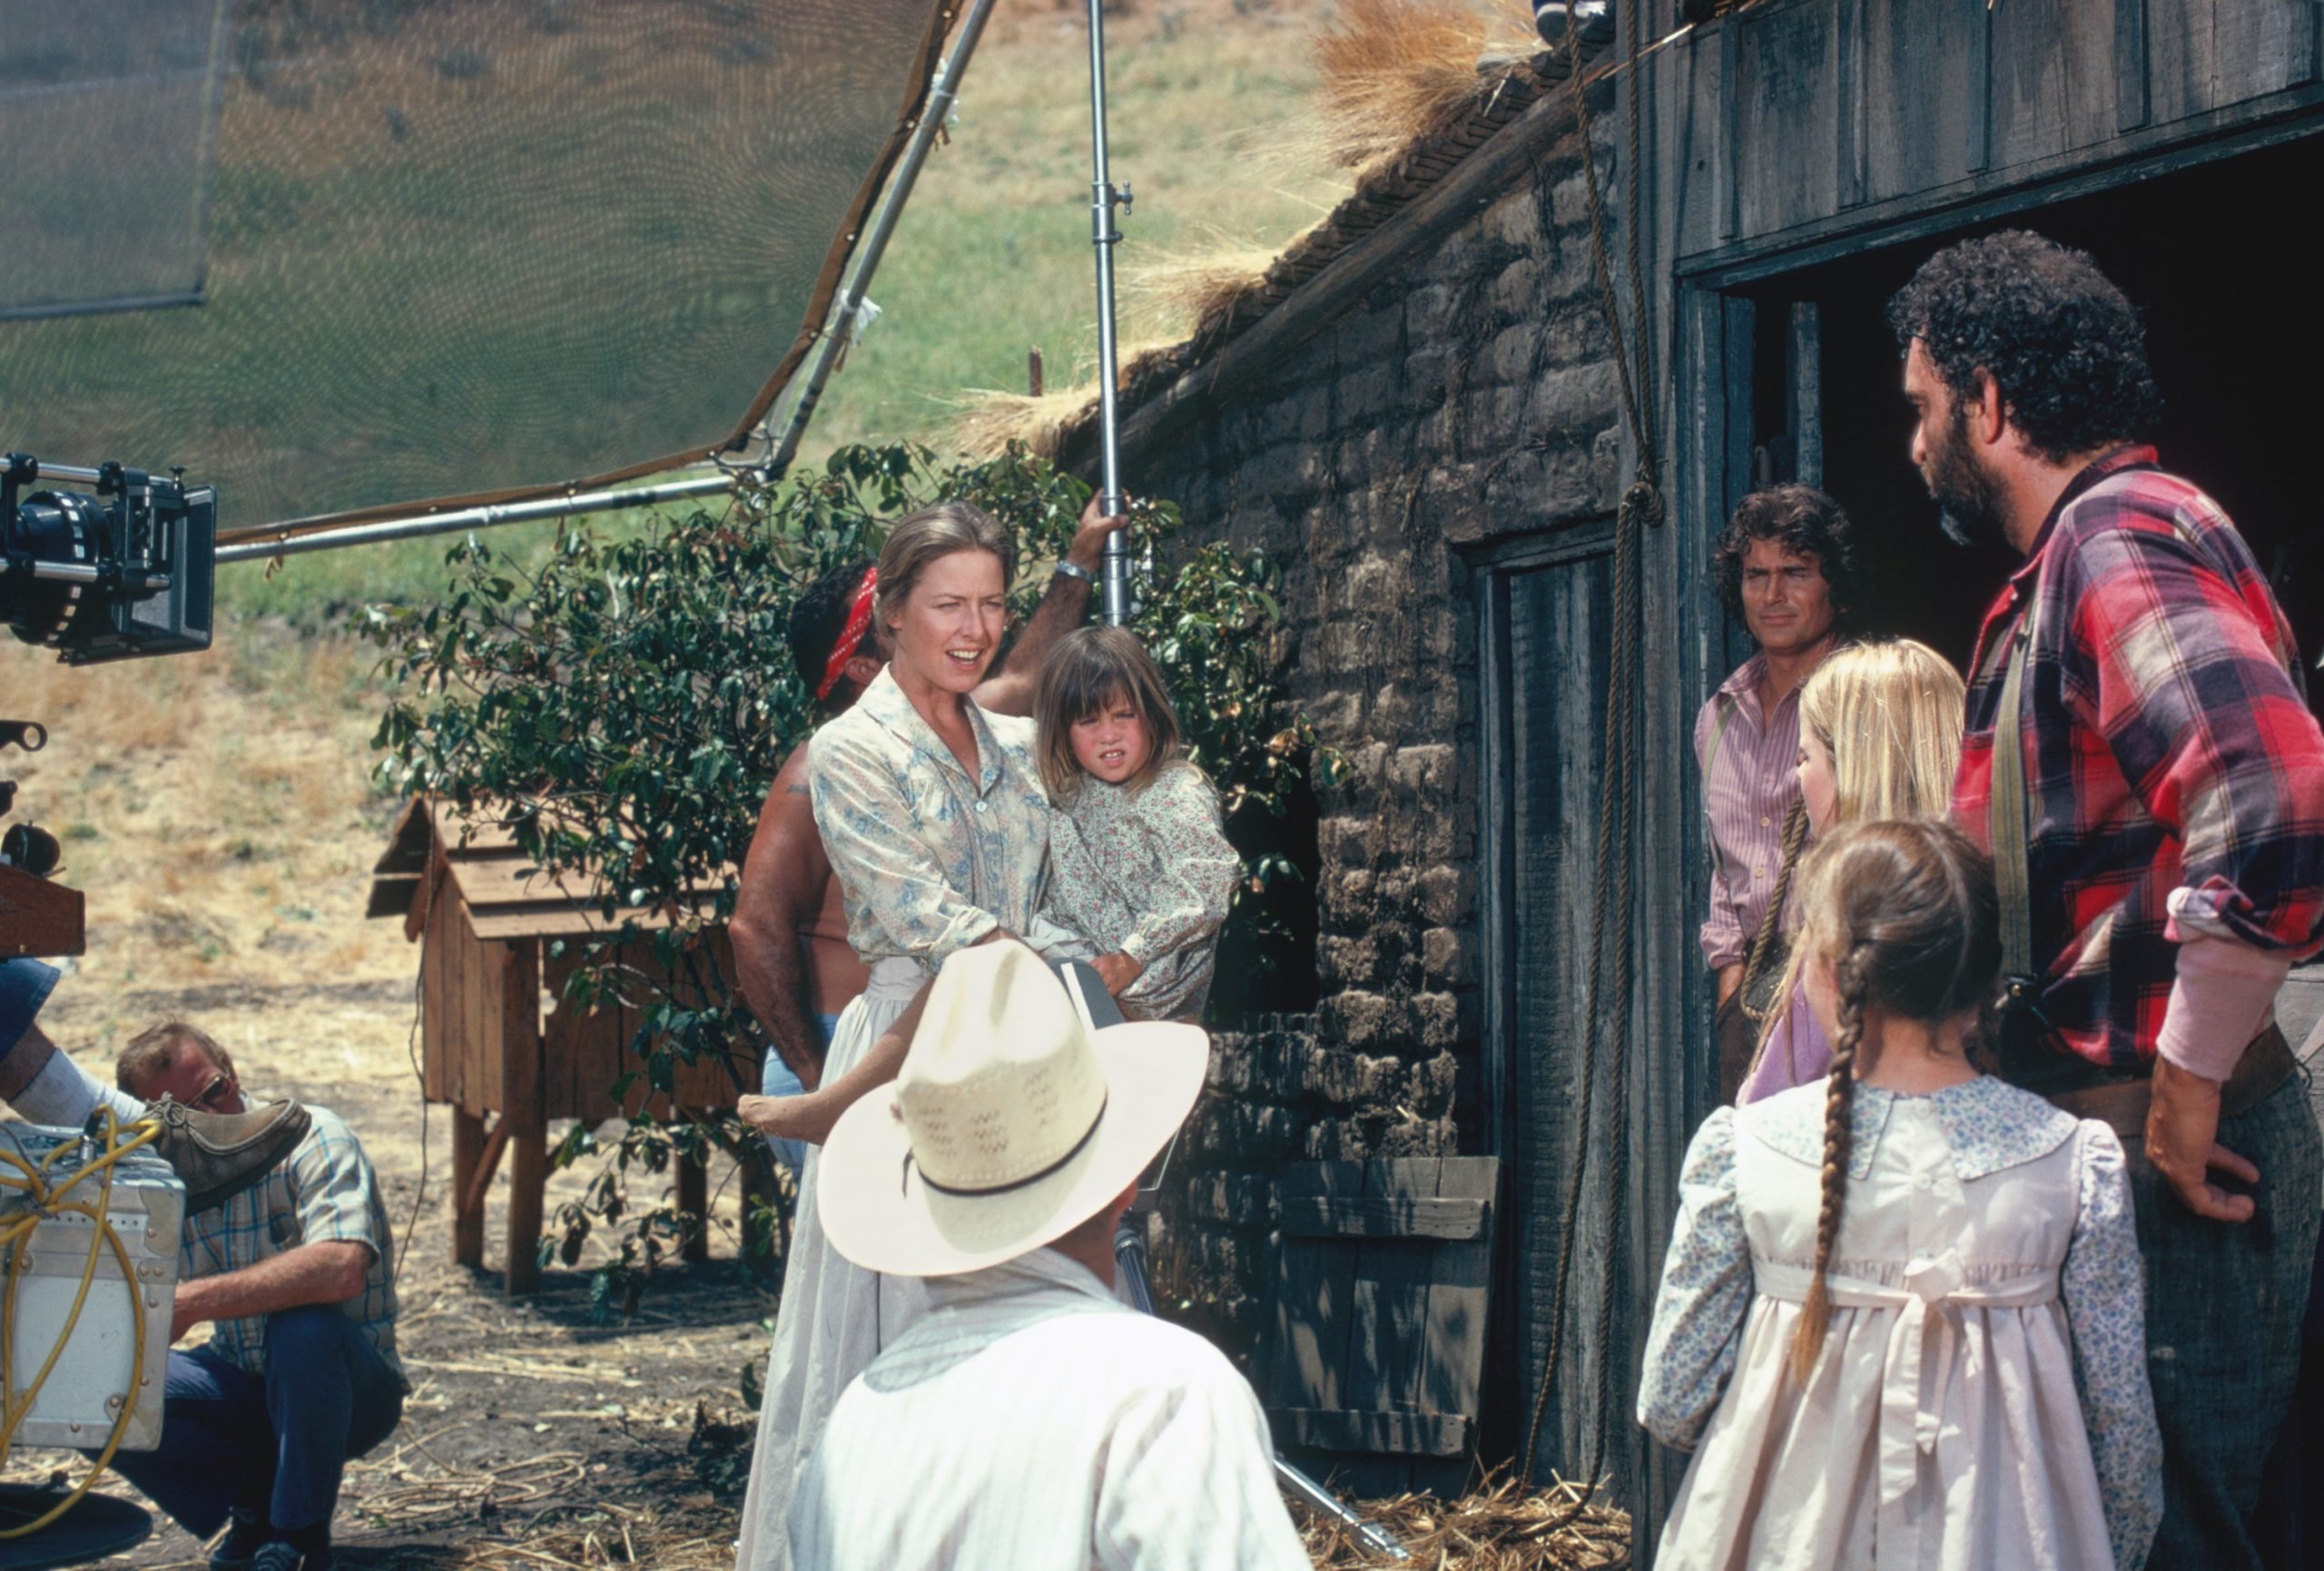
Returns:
(1392,71)
(990,420)
(1497,1527)
(1193,294)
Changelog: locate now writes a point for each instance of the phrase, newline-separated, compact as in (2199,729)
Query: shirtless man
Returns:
(790,928)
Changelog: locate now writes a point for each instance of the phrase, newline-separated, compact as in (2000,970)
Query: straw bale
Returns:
(990,420)
(1392,72)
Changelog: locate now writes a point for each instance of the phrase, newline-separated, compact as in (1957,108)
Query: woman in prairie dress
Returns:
(932,814)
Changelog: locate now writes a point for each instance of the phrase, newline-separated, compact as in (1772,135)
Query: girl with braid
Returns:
(1901,1322)
(1879,738)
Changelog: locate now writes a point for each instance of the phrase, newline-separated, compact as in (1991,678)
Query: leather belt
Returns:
(2122,1104)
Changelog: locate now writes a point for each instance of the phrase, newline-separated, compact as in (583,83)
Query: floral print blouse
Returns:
(929,861)
(1146,874)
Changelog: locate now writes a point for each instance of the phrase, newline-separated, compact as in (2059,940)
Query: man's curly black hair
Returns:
(1804,522)
(2063,345)
(821,615)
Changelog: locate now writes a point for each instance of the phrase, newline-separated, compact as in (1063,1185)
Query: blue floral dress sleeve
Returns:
(1706,1285)
(2105,1305)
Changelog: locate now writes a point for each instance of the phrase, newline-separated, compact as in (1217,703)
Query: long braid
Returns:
(1839,1101)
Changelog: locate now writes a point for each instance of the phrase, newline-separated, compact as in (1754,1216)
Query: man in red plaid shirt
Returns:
(2173,801)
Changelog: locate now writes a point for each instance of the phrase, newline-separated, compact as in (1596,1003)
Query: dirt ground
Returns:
(216,811)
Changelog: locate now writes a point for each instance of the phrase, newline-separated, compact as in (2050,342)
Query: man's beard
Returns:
(1968,502)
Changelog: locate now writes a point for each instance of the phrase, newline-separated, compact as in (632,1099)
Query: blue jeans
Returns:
(277,1445)
(2223,1310)
(775,1079)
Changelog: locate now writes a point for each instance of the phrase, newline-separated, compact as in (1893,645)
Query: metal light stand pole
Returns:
(1113,601)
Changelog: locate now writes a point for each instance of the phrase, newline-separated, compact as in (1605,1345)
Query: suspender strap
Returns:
(1724,711)
(2007,808)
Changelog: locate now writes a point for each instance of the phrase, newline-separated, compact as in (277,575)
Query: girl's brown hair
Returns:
(1088,669)
(1905,913)
(927,535)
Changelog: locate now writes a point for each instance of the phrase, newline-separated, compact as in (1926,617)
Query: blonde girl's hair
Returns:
(1889,713)
(1904,911)
(1087,670)
(928,536)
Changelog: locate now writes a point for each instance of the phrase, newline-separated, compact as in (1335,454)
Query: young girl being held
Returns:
(1901,1322)
(1139,871)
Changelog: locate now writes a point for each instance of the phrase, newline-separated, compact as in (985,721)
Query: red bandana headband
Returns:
(850,638)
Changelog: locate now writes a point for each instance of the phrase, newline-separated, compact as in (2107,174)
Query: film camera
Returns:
(120,569)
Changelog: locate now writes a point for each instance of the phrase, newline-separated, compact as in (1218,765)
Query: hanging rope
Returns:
(1767,949)
(1641,508)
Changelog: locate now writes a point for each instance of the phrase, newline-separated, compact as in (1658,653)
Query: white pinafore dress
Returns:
(1986,1258)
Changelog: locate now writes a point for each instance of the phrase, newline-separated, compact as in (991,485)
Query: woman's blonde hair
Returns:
(925,536)
(1906,913)
(1088,669)
(1889,713)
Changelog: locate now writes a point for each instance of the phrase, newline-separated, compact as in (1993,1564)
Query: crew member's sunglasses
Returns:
(221,1086)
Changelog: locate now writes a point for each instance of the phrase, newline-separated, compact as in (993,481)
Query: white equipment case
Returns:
(99,1368)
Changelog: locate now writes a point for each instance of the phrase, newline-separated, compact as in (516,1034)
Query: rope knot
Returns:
(1643,503)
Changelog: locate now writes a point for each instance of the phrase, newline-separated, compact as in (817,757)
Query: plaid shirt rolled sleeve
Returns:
(2168,747)
(324,1192)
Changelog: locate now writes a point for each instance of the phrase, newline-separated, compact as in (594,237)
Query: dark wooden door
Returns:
(1547,637)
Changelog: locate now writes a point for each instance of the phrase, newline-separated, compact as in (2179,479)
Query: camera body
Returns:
(122,569)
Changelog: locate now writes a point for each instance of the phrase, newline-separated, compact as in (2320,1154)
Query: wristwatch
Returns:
(1075,570)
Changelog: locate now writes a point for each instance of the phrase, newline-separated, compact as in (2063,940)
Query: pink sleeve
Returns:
(2221,999)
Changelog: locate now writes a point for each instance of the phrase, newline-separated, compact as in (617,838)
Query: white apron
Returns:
(835,1316)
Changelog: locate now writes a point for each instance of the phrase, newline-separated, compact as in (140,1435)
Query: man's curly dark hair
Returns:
(820,616)
(2063,345)
(1804,522)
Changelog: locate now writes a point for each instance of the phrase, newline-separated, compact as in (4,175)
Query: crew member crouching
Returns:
(288,1259)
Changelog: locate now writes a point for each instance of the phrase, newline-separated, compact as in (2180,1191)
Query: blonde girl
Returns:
(1139,870)
(1901,1321)
(1879,737)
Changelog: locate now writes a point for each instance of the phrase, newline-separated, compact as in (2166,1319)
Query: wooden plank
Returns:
(40,919)
(1451,1377)
(2052,79)
(1803,369)
(1313,1297)
(2133,97)
(1368,1429)
(392,895)
(1390,1295)
(479,1184)
(1787,117)
(468,1220)
(1380,1217)
(1980,123)
(1917,82)
(518,1016)
(1854,112)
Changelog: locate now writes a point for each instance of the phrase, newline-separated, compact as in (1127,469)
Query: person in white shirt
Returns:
(1030,1421)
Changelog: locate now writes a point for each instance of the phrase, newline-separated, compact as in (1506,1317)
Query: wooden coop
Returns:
(499,1043)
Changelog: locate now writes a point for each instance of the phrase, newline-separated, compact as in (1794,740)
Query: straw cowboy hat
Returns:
(1010,1123)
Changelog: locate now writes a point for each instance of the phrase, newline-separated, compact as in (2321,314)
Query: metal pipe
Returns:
(801,396)
(474,518)
(1114,580)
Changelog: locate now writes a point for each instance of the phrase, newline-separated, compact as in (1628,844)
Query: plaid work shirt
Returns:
(2168,746)
(323,1192)
(1747,791)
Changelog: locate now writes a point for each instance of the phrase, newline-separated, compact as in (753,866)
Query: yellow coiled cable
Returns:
(15,1238)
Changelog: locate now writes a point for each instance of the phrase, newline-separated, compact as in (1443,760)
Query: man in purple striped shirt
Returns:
(1786,568)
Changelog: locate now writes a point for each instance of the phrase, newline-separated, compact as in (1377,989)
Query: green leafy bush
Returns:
(622,707)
